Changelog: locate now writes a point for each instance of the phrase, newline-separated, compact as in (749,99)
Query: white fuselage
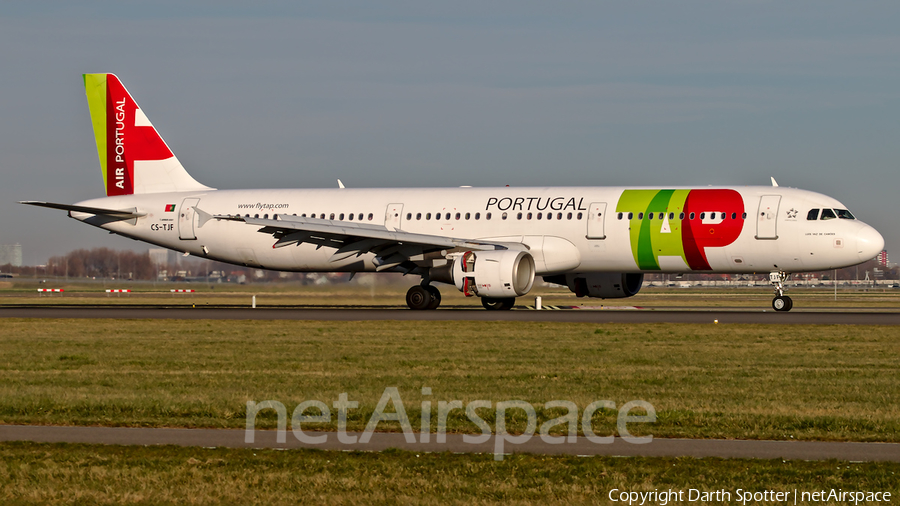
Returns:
(589,230)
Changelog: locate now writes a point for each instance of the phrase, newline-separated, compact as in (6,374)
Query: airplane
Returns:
(486,242)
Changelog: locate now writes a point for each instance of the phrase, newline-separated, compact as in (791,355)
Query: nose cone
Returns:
(869,243)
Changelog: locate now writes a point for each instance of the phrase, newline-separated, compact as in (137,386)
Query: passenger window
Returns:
(723,216)
(744,216)
(620,216)
(827,214)
(503,216)
(549,216)
(331,217)
(468,215)
(649,216)
(477,216)
(370,216)
(844,214)
(733,216)
(487,216)
(350,216)
(640,216)
(579,215)
(458,216)
(540,215)
(341,217)
(680,216)
(529,216)
(671,216)
(812,215)
(630,216)
(519,216)
(427,216)
(569,216)
(360,216)
(692,216)
(418,216)
(408,216)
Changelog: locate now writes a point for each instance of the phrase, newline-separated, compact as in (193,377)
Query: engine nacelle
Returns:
(603,285)
(497,273)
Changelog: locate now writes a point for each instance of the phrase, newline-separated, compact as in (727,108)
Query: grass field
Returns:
(84,474)
(735,381)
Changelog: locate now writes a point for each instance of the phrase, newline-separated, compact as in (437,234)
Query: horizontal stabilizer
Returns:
(114,213)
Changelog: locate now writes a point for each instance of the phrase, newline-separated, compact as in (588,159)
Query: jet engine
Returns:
(495,274)
(603,285)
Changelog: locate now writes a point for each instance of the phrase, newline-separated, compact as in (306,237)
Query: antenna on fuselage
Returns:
(774,183)
(341,185)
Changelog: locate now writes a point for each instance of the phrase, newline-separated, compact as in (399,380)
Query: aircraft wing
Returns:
(392,247)
(122,214)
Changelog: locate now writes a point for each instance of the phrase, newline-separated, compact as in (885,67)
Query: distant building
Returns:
(159,256)
(883,258)
(11,254)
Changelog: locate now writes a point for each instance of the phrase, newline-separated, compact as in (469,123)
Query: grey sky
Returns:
(458,93)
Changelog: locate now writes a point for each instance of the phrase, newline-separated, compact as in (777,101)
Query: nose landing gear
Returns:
(781,302)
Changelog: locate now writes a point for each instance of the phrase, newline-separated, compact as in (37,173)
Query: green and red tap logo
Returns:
(681,223)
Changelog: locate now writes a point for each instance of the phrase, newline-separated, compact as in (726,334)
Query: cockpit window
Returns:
(827,214)
(812,215)
(844,214)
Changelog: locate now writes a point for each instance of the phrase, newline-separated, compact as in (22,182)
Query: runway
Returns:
(825,316)
(236,438)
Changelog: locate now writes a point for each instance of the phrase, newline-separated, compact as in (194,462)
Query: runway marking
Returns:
(234,438)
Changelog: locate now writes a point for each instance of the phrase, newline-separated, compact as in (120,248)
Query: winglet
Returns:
(774,183)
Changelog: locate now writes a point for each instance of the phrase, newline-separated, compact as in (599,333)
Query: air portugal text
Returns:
(535,203)
(120,144)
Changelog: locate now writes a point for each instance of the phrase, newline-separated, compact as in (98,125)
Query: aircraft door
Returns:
(392,216)
(767,217)
(186,219)
(595,223)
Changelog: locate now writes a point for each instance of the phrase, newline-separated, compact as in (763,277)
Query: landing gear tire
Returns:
(498,304)
(435,297)
(783,303)
(418,297)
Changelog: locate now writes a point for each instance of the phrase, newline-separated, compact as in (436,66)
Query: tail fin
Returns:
(133,157)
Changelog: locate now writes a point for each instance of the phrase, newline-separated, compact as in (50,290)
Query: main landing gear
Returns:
(498,304)
(781,302)
(423,297)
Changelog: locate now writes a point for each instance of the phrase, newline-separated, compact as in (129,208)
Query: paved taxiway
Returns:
(235,438)
(829,316)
